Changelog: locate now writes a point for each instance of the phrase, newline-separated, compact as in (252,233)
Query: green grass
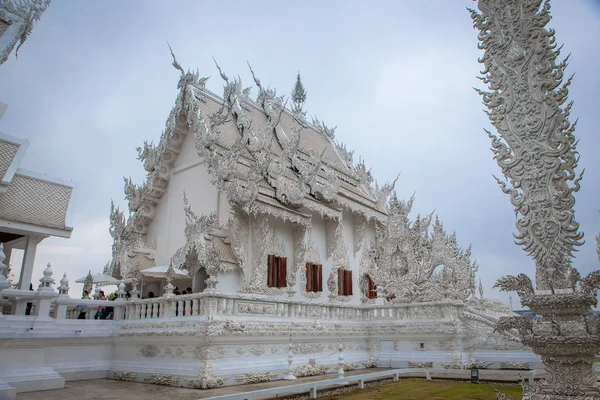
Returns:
(431,390)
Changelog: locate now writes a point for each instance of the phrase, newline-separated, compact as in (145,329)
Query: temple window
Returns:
(314,277)
(344,282)
(277,271)
(371,289)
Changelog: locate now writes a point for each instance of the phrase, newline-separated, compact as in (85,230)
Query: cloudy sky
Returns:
(95,80)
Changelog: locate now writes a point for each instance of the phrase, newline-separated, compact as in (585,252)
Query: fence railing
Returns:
(220,304)
(51,304)
(313,387)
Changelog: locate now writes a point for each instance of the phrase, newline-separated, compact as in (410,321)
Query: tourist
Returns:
(100,314)
(81,307)
(29,306)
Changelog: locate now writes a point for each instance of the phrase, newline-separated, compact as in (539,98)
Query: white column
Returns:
(28,260)
(3,268)
(7,254)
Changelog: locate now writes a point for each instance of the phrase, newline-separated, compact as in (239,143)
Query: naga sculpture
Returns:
(536,152)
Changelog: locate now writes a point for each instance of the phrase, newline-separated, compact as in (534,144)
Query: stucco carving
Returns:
(299,241)
(263,245)
(200,248)
(536,150)
(206,379)
(149,350)
(124,376)
(162,379)
(336,248)
(370,363)
(350,366)
(415,263)
(255,377)
(233,326)
(308,254)
(257,350)
(360,230)
(259,309)
(420,364)
(307,348)
(309,370)
(238,227)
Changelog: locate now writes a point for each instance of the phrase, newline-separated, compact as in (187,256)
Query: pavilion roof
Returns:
(31,202)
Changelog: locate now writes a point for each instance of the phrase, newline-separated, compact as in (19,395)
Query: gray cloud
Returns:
(94,80)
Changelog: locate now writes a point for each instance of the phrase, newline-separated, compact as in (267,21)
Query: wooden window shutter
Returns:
(271,271)
(309,277)
(348,283)
(319,277)
(371,288)
(282,278)
(341,276)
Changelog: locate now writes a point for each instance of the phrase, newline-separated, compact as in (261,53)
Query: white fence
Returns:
(314,387)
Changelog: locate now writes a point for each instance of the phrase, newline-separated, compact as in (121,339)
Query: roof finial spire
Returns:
(298,100)
(298,94)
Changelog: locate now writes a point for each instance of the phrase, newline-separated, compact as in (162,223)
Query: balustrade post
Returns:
(119,312)
(46,293)
(289,374)
(63,293)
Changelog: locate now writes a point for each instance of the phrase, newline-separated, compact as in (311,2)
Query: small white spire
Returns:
(64,285)
(47,281)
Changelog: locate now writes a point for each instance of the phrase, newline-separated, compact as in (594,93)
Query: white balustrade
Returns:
(201,305)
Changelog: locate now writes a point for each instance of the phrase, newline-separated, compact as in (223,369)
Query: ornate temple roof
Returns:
(262,155)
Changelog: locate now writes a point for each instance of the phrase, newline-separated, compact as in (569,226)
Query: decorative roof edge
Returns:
(16,161)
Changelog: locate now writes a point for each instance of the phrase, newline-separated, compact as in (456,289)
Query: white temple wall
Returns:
(224,209)
(187,154)
(157,231)
(202,197)
(168,226)
(230,282)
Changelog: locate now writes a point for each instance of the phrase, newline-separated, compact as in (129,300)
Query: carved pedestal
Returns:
(567,342)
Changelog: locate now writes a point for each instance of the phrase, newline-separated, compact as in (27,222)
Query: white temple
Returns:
(283,234)
(280,236)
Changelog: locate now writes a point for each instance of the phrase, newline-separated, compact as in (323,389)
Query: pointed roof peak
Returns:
(299,93)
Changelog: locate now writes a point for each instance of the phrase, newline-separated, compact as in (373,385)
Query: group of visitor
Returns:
(103,312)
(186,291)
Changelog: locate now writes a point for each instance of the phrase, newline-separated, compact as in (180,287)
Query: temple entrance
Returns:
(200,277)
